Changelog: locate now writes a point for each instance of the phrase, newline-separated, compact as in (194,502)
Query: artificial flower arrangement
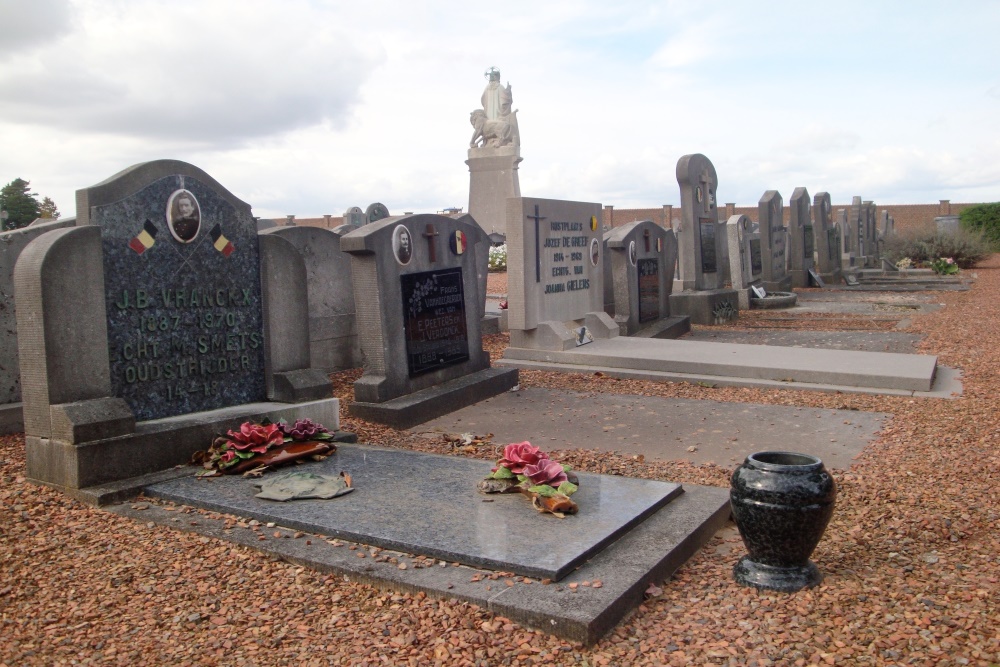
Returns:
(904,264)
(526,469)
(944,266)
(256,447)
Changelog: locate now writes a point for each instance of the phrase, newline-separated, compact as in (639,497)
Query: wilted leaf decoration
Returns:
(528,470)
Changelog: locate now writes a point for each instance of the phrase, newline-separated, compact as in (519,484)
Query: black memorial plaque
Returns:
(756,265)
(809,242)
(183,300)
(707,230)
(649,289)
(434,320)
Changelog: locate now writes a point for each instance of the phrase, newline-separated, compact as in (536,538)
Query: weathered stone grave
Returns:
(12,244)
(373,213)
(555,276)
(419,289)
(333,332)
(856,233)
(871,235)
(774,242)
(828,239)
(848,237)
(643,257)
(704,298)
(745,264)
(355,217)
(801,236)
(156,323)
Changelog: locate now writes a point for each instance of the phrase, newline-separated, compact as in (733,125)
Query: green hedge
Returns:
(984,218)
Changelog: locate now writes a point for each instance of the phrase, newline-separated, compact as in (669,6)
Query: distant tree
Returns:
(20,203)
(48,209)
(983,218)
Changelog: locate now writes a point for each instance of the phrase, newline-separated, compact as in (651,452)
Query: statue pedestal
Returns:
(492,180)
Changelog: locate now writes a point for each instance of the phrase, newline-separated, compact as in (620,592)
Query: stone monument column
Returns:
(494,154)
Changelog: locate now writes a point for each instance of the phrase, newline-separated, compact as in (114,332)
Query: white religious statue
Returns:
(495,125)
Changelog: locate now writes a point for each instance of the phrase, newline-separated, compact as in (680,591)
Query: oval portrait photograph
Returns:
(402,244)
(183,216)
(595,252)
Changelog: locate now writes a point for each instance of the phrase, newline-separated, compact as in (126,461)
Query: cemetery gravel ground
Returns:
(911,558)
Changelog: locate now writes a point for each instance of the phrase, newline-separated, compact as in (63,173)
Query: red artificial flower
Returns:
(518,455)
(227,456)
(546,471)
(255,437)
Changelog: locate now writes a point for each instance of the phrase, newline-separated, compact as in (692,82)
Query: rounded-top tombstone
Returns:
(355,216)
(375,212)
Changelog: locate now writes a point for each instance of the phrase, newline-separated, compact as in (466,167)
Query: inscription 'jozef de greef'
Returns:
(182,285)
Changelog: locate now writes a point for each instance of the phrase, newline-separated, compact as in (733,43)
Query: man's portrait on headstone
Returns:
(183,216)
(402,244)
(595,251)
(632,256)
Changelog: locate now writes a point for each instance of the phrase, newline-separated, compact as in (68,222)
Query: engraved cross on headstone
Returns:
(708,196)
(538,251)
(429,234)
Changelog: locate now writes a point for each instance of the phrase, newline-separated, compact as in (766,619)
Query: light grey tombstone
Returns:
(847,237)
(871,234)
(744,257)
(829,243)
(12,244)
(555,276)
(643,256)
(802,239)
(856,230)
(703,297)
(375,212)
(947,224)
(419,289)
(774,242)
(333,332)
(355,217)
(152,326)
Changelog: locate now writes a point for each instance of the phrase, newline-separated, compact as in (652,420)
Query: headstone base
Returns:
(552,335)
(154,445)
(710,307)
(800,278)
(832,278)
(783,285)
(421,406)
(667,328)
(11,418)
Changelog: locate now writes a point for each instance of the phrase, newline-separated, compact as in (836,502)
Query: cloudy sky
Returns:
(309,107)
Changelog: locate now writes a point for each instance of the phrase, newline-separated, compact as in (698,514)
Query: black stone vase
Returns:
(781,502)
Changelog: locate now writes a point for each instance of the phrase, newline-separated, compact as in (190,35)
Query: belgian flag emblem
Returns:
(221,243)
(593,223)
(145,239)
(458,242)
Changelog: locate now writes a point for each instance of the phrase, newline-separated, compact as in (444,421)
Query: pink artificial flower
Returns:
(520,454)
(951,261)
(227,456)
(546,471)
(255,437)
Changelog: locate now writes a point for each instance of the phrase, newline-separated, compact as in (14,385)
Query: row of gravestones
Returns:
(163,317)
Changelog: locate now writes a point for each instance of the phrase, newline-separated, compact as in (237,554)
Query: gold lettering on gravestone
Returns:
(564,257)
(202,344)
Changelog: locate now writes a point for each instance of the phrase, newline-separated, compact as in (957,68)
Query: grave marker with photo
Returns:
(744,257)
(643,257)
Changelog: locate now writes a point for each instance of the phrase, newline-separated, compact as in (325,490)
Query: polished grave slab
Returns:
(427,504)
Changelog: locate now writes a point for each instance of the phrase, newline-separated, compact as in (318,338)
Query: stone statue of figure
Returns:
(495,125)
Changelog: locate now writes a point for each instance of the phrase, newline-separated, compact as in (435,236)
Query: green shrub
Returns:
(984,218)
(923,248)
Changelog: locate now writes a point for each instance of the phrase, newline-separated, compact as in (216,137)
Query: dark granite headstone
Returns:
(809,243)
(649,289)
(708,255)
(434,320)
(183,300)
